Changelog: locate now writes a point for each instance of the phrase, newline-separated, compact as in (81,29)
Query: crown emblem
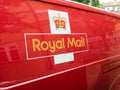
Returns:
(60,22)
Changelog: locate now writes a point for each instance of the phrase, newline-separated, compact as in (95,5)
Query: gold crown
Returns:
(60,22)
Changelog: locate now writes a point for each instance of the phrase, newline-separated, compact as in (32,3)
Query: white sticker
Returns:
(59,24)
(62,58)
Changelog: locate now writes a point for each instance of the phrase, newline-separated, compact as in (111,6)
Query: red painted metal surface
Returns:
(88,37)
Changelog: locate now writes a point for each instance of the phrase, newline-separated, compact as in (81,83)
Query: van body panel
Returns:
(58,45)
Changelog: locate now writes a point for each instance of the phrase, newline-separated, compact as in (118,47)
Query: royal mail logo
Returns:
(46,45)
(60,22)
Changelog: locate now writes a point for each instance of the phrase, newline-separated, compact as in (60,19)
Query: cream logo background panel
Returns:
(62,18)
(63,28)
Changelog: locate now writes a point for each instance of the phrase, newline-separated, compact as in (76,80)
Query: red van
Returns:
(58,45)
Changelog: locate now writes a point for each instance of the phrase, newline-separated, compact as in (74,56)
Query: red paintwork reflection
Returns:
(95,69)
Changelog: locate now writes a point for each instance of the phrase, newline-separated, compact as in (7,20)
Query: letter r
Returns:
(36,44)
